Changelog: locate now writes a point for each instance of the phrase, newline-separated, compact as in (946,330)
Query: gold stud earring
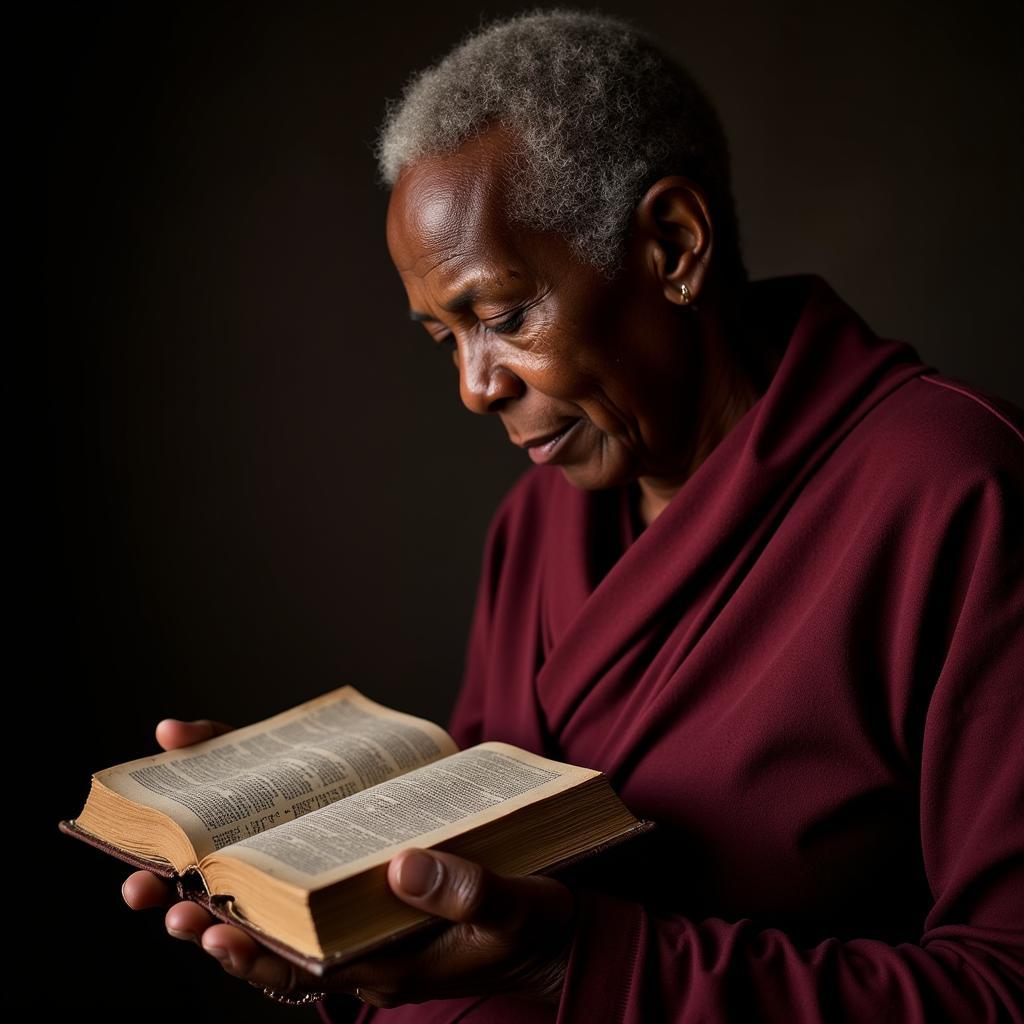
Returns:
(684,291)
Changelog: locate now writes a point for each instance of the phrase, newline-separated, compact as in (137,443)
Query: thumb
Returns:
(173,733)
(462,890)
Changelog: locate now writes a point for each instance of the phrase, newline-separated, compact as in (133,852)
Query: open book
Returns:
(285,827)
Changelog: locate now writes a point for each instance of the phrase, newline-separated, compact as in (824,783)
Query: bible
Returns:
(285,827)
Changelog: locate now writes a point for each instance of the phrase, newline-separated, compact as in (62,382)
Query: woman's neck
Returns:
(744,351)
(657,492)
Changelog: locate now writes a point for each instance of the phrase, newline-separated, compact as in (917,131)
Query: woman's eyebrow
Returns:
(465,298)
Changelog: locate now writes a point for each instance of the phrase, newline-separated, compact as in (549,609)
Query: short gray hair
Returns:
(602,112)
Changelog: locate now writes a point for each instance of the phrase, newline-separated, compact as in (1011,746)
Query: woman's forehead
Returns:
(449,213)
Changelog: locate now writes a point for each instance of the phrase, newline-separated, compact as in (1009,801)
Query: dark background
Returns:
(261,483)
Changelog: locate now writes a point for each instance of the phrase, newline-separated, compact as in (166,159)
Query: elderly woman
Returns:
(766,573)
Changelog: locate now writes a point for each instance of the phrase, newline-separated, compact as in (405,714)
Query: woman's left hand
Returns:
(509,935)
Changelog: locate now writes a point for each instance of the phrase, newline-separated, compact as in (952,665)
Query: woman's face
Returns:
(598,378)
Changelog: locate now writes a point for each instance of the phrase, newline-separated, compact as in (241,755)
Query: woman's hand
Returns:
(507,934)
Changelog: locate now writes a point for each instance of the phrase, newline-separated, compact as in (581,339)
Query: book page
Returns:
(256,778)
(423,807)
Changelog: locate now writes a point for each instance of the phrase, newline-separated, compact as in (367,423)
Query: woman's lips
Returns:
(546,452)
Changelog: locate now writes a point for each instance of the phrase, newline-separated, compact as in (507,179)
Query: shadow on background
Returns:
(263,482)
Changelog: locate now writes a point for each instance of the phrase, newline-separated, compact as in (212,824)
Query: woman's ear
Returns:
(674,224)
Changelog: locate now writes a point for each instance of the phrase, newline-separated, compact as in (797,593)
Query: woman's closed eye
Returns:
(509,325)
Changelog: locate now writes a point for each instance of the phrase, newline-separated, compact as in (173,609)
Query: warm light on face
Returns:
(539,338)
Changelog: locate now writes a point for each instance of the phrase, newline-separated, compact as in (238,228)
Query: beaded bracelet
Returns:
(281,997)
(309,997)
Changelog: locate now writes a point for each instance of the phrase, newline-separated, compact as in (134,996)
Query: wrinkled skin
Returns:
(545,342)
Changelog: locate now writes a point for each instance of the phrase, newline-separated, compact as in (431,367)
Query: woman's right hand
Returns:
(143,889)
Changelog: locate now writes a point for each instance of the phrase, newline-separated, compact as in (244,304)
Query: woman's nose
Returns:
(484,382)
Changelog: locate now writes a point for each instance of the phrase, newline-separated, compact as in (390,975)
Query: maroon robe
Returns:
(808,670)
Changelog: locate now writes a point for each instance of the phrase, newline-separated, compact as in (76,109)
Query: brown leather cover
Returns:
(191,886)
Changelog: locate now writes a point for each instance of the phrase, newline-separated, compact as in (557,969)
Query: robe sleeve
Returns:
(632,962)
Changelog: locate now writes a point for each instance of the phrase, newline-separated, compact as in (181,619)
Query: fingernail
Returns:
(219,952)
(188,936)
(418,874)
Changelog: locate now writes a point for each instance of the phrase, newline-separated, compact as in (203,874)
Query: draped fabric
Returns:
(809,671)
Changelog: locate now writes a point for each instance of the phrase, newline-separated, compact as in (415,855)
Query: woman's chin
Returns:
(597,473)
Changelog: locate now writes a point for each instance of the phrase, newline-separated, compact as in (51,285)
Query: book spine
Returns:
(191,884)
